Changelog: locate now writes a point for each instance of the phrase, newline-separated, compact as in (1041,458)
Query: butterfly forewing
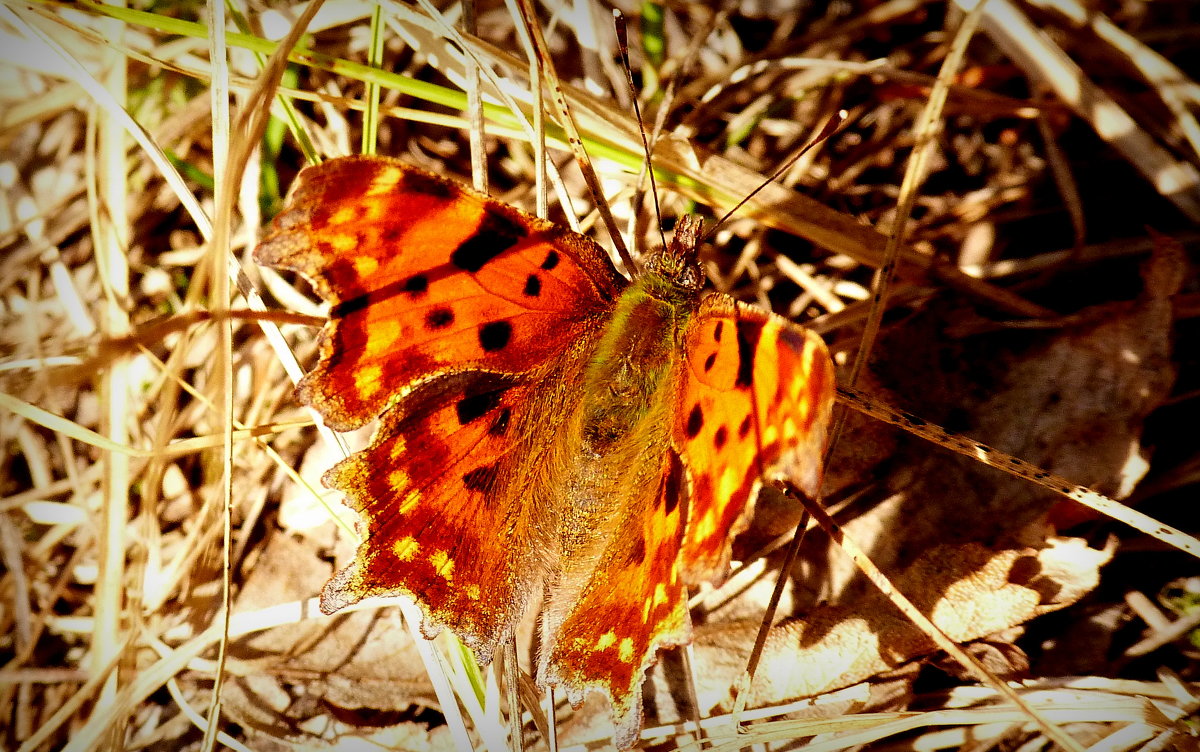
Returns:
(753,404)
(425,277)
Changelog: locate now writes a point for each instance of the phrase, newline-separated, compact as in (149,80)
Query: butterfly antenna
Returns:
(831,125)
(623,46)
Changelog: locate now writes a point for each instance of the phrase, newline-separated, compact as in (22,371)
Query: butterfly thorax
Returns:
(626,380)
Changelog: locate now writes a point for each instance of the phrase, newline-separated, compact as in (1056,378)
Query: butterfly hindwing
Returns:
(425,276)
(753,405)
(633,604)
(450,474)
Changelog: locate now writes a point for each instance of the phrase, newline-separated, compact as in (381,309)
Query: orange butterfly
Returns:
(544,423)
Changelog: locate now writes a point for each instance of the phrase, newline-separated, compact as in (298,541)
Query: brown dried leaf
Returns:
(294,681)
(969,592)
(1071,397)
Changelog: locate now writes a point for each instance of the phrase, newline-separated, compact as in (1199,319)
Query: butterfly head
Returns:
(677,264)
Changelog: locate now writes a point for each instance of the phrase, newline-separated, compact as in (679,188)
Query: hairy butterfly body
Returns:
(544,424)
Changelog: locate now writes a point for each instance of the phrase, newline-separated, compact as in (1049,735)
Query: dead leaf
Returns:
(968,591)
(319,680)
(1071,398)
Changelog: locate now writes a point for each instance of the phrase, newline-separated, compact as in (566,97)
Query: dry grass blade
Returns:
(230,161)
(566,115)
(1176,180)
(1019,468)
(1169,81)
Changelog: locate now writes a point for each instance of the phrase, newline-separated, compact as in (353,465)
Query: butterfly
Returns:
(547,428)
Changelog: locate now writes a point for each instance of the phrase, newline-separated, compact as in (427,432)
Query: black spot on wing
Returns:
(353,305)
(709,362)
(672,491)
(672,501)
(480,479)
(720,437)
(717,331)
(744,428)
(415,285)
(495,235)
(695,421)
(638,553)
(748,334)
(533,286)
(476,406)
(494,336)
(551,260)
(439,318)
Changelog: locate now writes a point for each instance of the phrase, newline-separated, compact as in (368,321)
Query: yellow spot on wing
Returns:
(472,591)
(365,265)
(806,369)
(342,216)
(660,594)
(410,501)
(625,652)
(443,565)
(607,640)
(728,483)
(397,448)
(398,479)
(803,406)
(405,548)
(368,380)
(770,435)
(384,333)
(706,525)
(789,429)
(385,181)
